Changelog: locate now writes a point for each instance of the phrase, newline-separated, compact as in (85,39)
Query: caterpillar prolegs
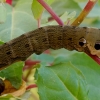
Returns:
(54,37)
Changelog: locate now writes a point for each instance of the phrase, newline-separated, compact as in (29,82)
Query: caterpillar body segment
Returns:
(54,37)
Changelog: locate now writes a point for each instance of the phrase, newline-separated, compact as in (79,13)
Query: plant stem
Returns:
(31,86)
(97,59)
(27,75)
(53,14)
(84,13)
(39,22)
(29,64)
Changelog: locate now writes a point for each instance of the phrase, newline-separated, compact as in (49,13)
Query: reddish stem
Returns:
(31,86)
(68,22)
(97,59)
(53,14)
(27,75)
(39,22)
(84,12)
(47,52)
(9,2)
(90,5)
(29,64)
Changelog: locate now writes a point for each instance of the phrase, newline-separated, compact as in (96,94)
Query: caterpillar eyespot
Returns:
(97,46)
(82,41)
(54,37)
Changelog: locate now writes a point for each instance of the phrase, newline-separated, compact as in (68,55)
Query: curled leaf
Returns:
(9,89)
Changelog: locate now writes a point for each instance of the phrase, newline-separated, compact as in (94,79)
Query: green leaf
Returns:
(61,6)
(3,13)
(61,82)
(19,20)
(1,42)
(13,73)
(89,68)
(80,1)
(7,97)
(44,58)
(38,9)
(71,15)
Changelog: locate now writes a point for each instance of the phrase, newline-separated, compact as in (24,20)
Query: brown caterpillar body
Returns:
(54,37)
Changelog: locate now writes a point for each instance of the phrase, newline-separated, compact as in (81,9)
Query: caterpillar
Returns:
(82,39)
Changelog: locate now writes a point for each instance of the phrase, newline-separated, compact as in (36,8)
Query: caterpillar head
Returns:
(88,40)
(93,41)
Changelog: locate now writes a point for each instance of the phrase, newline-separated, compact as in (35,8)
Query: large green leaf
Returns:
(19,20)
(14,74)
(89,68)
(61,81)
(48,78)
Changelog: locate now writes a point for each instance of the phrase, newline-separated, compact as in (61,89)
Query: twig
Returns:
(53,14)
(31,86)
(84,13)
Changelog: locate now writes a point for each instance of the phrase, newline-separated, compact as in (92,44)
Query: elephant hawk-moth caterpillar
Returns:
(54,37)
